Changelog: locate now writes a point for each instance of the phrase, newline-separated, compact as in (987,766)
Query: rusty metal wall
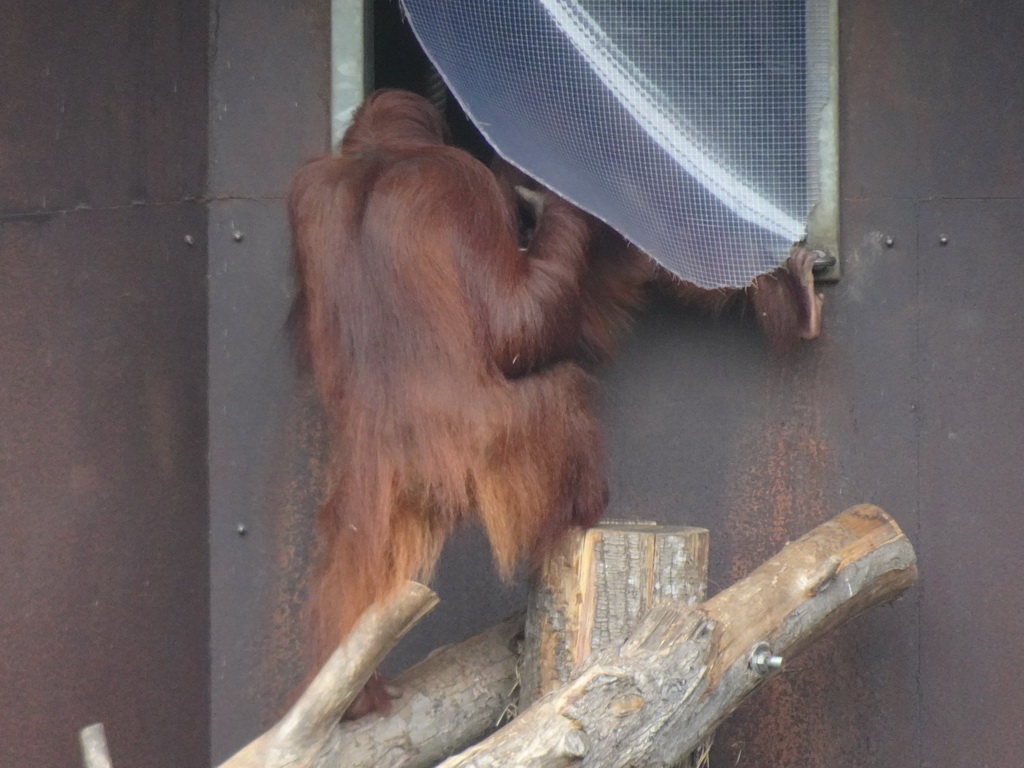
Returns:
(911,400)
(269,94)
(103,558)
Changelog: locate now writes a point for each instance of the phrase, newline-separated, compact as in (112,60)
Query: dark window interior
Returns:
(398,61)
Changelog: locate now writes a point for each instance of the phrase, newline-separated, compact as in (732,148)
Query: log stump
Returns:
(592,590)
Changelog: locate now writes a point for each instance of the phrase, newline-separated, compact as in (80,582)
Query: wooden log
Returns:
(652,700)
(301,737)
(93,739)
(595,586)
(450,700)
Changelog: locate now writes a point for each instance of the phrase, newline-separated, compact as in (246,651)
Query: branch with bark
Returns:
(646,701)
(682,671)
(302,737)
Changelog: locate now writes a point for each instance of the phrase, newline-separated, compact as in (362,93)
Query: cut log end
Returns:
(93,740)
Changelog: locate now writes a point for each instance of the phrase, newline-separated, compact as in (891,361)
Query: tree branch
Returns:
(301,736)
(94,746)
(682,671)
(450,700)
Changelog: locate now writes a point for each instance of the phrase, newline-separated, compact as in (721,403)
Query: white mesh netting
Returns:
(685,124)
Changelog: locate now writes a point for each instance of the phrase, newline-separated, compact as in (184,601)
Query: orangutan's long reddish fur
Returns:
(443,357)
(613,286)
